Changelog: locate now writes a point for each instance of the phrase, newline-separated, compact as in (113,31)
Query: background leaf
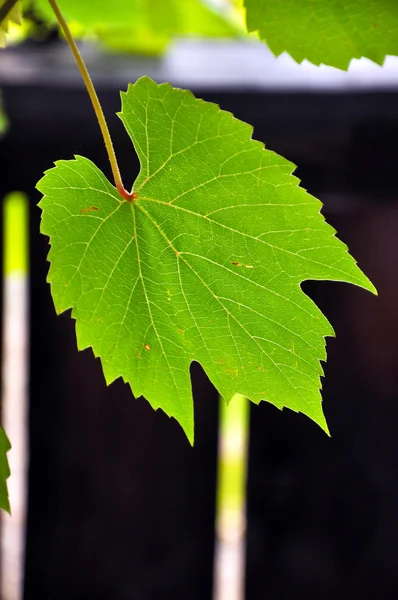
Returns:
(330,32)
(14,16)
(142,25)
(206,265)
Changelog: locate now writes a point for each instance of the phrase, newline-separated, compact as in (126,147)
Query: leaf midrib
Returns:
(183,407)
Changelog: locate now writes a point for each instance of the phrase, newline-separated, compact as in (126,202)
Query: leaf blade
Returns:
(330,33)
(206,265)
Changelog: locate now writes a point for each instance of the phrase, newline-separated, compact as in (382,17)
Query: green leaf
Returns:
(204,266)
(14,16)
(141,25)
(5,446)
(330,32)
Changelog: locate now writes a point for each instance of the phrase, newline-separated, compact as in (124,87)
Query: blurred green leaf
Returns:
(14,16)
(144,26)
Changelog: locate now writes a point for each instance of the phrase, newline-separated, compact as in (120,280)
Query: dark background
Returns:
(120,506)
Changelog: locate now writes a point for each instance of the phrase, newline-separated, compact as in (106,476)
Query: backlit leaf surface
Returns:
(327,31)
(204,266)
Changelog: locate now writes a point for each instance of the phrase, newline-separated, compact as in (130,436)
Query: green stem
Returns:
(95,102)
(5,9)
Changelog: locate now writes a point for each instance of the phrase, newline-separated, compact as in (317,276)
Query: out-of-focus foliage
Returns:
(145,26)
(14,16)
(3,118)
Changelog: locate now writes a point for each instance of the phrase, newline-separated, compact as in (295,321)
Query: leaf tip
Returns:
(318,417)
(191,438)
(365,283)
(187,425)
(371,288)
(324,426)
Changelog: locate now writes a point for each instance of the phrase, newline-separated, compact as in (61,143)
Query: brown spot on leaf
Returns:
(147,347)
(233,371)
(88,210)
(236,264)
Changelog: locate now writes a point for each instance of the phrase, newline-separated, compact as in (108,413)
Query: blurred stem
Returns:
(5,9)
(95,102)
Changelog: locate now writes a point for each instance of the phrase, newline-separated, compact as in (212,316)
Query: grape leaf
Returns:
(4,471)
(141,25)
(331,32)
(14,16)
(204,266)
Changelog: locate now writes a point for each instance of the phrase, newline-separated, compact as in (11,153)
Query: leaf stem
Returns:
(5,9)
(129,196)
